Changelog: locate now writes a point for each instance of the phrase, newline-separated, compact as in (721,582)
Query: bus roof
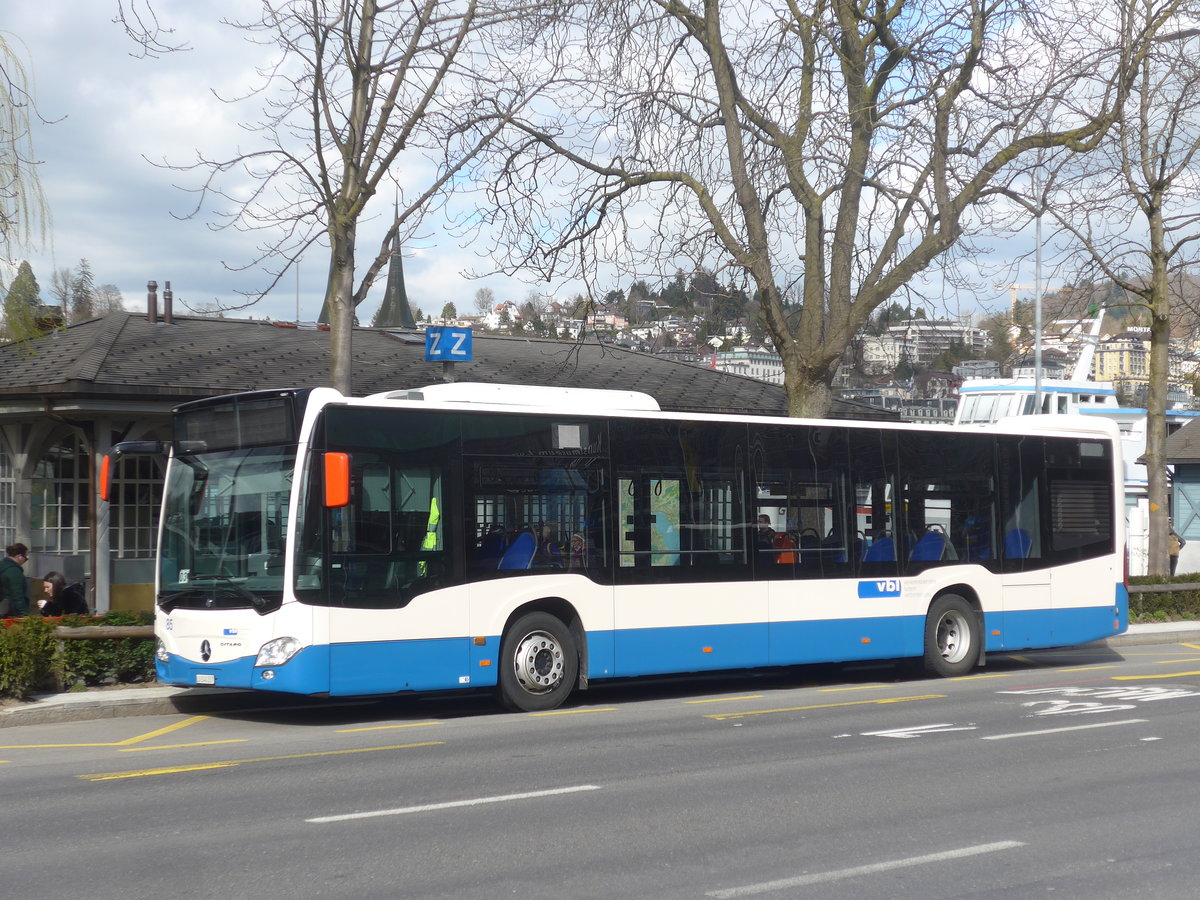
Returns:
(582,399)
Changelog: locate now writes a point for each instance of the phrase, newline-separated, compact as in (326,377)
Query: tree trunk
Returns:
(339,300)
(1156,401)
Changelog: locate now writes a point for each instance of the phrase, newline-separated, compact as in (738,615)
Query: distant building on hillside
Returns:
(751,362)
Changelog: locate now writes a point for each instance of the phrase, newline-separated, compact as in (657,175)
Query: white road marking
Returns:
(454,804)
(1001,737)
(913,731)
(784,884)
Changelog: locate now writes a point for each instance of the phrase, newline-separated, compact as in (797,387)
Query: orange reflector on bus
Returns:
(706,649)
(996,633)
(480,641)
(485,663)
(337,479)
(866,640)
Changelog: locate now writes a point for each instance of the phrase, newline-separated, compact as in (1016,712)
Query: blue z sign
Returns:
(448,344)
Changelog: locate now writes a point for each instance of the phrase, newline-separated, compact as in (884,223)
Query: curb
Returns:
(1138,638)
(51,709)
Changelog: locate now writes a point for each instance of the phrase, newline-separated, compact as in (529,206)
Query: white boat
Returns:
(984,400)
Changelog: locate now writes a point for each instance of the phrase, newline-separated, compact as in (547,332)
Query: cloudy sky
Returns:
(109,116)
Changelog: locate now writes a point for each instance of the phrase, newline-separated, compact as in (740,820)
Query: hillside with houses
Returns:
(906,360)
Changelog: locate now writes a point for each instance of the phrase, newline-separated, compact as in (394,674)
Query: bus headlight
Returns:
(160,651)
(277,652)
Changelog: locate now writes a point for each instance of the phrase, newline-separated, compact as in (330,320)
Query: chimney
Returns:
(168,296)
(151,301)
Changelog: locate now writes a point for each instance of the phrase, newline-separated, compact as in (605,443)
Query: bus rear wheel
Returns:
(538,663)
(953,636)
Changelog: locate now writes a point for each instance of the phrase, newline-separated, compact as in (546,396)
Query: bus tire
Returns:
(539,663)
(953,636)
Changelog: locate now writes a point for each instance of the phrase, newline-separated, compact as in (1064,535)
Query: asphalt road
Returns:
(1070,773)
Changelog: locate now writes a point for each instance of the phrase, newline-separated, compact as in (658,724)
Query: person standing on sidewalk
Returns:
(1174,545)
(14,589)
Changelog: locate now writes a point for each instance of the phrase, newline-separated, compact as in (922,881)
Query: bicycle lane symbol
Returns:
(1058,701)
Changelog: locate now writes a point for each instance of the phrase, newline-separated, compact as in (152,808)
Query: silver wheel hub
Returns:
(538,662)
(953,637)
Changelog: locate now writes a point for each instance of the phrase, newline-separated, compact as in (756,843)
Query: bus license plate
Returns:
(206,679)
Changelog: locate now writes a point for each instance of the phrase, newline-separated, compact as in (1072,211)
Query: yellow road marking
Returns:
(159,732)
(181,746)
(882,700)
(1151,677)
(980,677)
(575,712)
(1191,646)
(1085,668)
(1168,662)
(50,746)
(170,770)
(387,727)
(854,687)
(722,699)
(200,767)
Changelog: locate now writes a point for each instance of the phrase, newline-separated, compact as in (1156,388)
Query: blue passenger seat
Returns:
(1017,544)
(930,547)
(881,550)
(520,552)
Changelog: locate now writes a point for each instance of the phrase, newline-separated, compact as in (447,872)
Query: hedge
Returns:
(1165,606)
(33,660)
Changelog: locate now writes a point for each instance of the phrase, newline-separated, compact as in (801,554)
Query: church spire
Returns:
(394,311)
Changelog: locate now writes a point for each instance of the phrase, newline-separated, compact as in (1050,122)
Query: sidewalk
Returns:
(156,700)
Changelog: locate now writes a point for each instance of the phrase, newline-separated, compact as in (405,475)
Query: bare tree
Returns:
(363,92)
(1139,225)
(60,287)
(108,299)
(141,22)
(825,150)
(485,299)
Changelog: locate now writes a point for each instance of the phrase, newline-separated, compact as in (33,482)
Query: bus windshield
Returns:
(224,529)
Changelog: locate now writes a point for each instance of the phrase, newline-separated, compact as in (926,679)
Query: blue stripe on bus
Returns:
(305,673)
(832,640)
(385,667)
(1030,629)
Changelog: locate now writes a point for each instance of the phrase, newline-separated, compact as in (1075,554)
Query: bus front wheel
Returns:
(538,663)
(953,636)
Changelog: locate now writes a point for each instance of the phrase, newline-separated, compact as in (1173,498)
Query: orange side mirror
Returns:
(105,477)
(337,479)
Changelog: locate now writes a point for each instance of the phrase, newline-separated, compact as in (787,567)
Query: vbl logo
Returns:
(886,587)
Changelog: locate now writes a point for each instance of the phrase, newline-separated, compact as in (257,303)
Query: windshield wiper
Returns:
(228,581)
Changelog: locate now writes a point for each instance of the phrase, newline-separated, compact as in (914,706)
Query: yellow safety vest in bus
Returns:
(431,529)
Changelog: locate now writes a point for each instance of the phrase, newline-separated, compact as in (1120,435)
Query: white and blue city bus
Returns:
(532,540)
